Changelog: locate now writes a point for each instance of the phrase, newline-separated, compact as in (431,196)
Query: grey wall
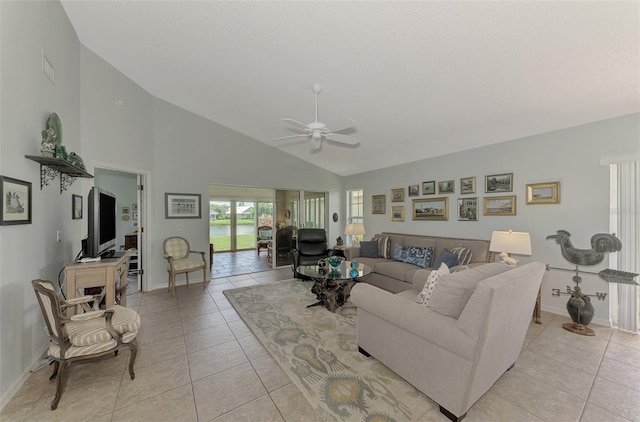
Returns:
(570,156)
(30,251)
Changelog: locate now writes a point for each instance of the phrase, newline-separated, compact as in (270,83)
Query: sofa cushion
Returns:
(447,257)
(369,249)
(425,295)
(464,255)
(413,255)
(453,291)
(393,269)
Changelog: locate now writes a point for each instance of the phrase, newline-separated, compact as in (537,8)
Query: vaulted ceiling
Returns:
(421,79)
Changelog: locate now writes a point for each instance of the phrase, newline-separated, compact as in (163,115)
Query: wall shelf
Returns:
(50,167)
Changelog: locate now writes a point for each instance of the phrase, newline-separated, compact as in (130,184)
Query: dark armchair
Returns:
(312,246)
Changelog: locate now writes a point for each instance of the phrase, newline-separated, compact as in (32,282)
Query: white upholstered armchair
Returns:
(181,259)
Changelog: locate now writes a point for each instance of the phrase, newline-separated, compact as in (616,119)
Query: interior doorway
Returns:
(128,186)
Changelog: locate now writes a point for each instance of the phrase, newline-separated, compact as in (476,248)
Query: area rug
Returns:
(317,349)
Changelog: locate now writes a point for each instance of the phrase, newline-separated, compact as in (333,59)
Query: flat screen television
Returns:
(101,212)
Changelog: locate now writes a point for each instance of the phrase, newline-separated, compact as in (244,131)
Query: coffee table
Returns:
(332,288)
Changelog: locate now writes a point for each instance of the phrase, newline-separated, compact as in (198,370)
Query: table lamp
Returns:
(510,242)
(354,230)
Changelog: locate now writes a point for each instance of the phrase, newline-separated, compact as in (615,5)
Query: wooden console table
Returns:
(109,273)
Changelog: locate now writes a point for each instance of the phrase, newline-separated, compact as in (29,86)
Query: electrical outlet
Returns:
(58,236)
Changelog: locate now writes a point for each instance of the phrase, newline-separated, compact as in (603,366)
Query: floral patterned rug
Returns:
(318,351)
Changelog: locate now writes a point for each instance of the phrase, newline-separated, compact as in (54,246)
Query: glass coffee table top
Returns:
(342,273)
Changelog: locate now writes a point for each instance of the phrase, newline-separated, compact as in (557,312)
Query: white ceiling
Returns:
(421,79)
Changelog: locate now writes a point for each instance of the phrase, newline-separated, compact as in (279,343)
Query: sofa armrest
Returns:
(351,252)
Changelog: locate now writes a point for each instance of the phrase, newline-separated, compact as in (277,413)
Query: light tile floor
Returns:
(199,362)
(226,264)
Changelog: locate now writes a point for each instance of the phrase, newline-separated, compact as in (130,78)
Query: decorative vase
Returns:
(354,265)
(335,262)
(582,315)
(354,273)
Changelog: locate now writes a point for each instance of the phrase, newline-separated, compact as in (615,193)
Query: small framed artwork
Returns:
(431,209)
(397,213)
(498,183)
(76,207)
(397,195)
(378,204)
(447,186)
(467,185)
(499,205)
(134,215)
(543,193)
(429,188)
(16,201)
(467,209)
(182,205)
(134,207)
(414,190)
(125,210)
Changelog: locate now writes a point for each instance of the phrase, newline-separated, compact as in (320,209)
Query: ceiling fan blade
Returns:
(289,137)
(343,139)
(342,125)
(297,124)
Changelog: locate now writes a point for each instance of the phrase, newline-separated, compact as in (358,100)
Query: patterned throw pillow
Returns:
(413,255)
(430,285)
(383,247)
(464,255)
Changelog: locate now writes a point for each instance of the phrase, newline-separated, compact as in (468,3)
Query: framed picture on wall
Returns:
(543,193)
(397,195)
(414,190)
(467,209)
(498,183)
(467,185)
(182,205)
(431,209)
(76,207)
(378,204)
(397,213)
(447,186)
(499,205)
(15,199)
(429,188)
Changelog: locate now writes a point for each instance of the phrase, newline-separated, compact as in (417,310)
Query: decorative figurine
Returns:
(579,305)
(339,241)
(76,160)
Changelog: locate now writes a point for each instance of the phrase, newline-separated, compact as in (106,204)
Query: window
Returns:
(355,209)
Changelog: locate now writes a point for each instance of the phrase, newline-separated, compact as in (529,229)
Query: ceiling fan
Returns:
(316,131)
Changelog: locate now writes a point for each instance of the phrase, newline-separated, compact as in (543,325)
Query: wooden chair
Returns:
(86,336)
(177,253)
(265,233)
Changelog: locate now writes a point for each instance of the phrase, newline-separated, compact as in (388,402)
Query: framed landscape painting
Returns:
(447,186)
(397,195)
(431,209)
(498,183)
(414,190)
(397,213)
(429,188)
(467,185)
(543,193)
(378,203)
(499,205)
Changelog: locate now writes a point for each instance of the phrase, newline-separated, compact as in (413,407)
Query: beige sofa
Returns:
(395,276)
(454,361)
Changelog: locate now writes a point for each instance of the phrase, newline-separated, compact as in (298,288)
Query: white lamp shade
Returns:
(518,243)
(354,229)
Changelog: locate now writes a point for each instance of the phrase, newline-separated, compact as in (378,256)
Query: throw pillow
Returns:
(369,249)
(383,247)
(265,234)
(413,255)
(464,254)
(430,285)
(448,258)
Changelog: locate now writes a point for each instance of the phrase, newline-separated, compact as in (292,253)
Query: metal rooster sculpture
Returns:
(579,305)
(601,243)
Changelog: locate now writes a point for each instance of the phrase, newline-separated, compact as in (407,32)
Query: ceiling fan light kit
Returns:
(317,131)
